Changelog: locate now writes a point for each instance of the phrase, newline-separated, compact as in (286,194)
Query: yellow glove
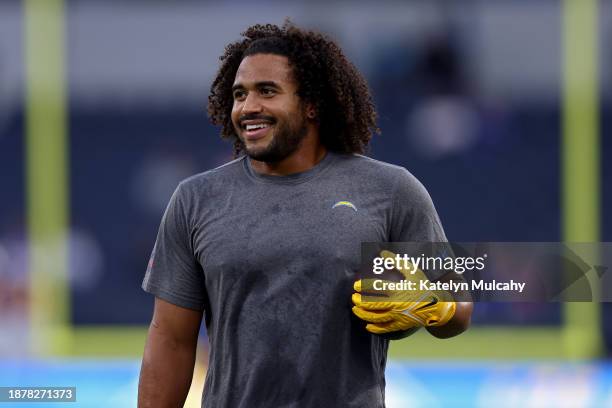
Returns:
(394,310)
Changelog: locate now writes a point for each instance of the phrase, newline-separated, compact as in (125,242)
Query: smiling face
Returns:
(268,115)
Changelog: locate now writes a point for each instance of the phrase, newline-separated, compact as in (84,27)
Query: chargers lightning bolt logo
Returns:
(346,204)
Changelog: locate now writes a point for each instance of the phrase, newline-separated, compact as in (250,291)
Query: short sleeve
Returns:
(413,215)
(173,273)
(415,219)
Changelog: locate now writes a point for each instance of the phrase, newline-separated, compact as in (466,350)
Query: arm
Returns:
(462,317)
(169,356)
(457,324)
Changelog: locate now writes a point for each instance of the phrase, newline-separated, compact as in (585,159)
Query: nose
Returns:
(251,104)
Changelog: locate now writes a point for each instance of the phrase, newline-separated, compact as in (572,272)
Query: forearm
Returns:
(167,370)
(457,324)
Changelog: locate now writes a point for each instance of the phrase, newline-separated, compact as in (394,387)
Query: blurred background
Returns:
(502,109)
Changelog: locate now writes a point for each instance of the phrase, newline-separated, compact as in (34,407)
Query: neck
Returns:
(306,156)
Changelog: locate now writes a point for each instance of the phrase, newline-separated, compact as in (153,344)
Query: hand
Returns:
(389,311)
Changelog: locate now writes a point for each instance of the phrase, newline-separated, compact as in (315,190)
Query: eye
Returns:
(267,91)
(239,94)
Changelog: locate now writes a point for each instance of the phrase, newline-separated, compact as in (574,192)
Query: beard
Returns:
(286,140)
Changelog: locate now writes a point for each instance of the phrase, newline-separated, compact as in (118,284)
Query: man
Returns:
(266,247)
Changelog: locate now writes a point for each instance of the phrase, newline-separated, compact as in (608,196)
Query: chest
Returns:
(288,226)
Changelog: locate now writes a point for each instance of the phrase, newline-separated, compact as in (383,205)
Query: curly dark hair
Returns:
(326,79)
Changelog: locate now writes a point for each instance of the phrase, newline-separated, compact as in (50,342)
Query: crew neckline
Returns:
(295,178)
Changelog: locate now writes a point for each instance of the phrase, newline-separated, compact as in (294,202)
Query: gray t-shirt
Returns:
(271,261)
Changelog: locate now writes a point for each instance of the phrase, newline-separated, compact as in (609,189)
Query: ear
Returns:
(311,111)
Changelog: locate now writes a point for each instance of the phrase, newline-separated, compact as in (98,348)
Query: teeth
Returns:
(259,126)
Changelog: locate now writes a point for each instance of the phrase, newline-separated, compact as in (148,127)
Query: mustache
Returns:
(256,117)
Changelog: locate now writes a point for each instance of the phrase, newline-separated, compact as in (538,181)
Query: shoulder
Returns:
(214,177)
(390,176)
(400,185)
(367,165)
(198,191)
